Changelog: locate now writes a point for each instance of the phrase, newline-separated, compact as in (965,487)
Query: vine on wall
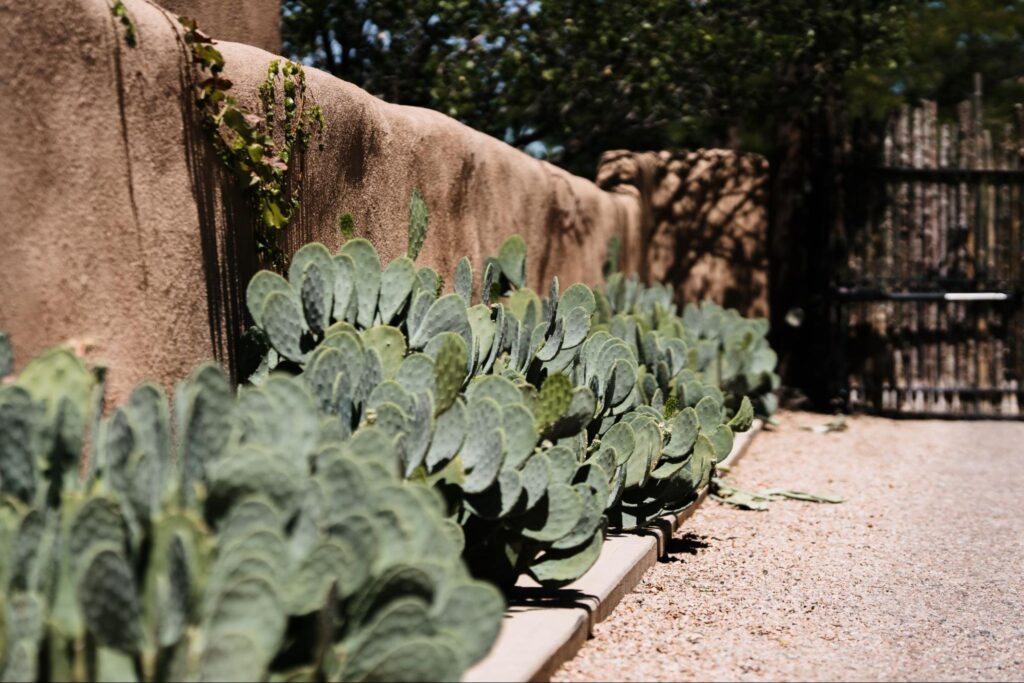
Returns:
(257,147)
(120,13)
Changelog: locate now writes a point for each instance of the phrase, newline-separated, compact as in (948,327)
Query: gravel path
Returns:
(918,576)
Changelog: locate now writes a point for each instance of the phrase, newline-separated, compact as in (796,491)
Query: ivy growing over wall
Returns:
(120,13)
(257,147)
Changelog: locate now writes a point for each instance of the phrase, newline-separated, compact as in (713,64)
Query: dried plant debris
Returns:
(837,424)
(725,492)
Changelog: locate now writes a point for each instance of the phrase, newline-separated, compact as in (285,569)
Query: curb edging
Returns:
(539,636)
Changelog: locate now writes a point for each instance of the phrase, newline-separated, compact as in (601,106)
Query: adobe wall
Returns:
(253,22)
(706,221)
(120,231)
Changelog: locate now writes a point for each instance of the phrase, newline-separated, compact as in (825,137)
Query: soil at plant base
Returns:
(916,576)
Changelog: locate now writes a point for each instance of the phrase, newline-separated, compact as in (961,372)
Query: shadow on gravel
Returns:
(689,544)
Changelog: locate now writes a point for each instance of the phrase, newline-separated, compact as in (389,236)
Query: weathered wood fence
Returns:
(928,281)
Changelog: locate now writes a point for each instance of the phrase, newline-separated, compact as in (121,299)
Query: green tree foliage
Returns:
(947,42)
(573,78)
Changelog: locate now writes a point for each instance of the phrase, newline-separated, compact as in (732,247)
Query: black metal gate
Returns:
(926,298)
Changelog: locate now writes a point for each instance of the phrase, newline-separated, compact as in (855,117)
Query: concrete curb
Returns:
(543,629)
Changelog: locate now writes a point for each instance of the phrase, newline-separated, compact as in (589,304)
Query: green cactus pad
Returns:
(430,280)
(367,278)
(207,420)
(417,659)
(447,314)
(262,285)
(639,465)
(393,582)
(721,442)
(579,415)
(464,280)
(564,463)
(702,461)
(449,352)
(419,427)
(150,420)
(391,391)
(744,417)
(297,423)
(577,295)
(389,343)
(371,446)
(250,471)
(667,469)
(520,434)
(521,301)
(230,658)
(483,450)
(577,326)
(417,374)
(396,287)
(401,620)
(329,561)
(561,567)
(555,515)
(418,221)
(325,370)
(484,329)
(61,382)
(498,389)
(553,400)
(18,417)
(593,491)
(683,428)
(284,322)
(109,601)
(709,414)
(98,522)
(449,434)
(391,419)
(23,572)
(6,355)
(470,611)
(499,499)
(249,605)
(316,254)
(490,291)
(23,623)
(345,296)
(622,438)
(317,296)
(512,259)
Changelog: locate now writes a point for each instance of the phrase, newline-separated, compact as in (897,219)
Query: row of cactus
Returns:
(241,539)
(542,419)
(732,352)
(444,376)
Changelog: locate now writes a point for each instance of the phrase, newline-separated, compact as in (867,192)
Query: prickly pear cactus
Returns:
(268,548)
(6,356)
(541,419)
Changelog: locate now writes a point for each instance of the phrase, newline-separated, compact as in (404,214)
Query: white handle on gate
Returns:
(975,296)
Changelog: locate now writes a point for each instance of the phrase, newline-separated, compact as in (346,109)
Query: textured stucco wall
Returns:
(706,221)
(118,229)
(253,22)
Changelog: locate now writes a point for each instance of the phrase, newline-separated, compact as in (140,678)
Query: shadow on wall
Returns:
(705,221)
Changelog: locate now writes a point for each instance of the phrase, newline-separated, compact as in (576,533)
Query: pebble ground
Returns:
(919,575)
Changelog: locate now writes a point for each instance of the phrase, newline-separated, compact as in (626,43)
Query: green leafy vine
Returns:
(120,13)
(245,140)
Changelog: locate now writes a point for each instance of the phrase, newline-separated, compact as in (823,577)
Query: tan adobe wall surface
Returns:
(706,215)
(119,230)
(253,22)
